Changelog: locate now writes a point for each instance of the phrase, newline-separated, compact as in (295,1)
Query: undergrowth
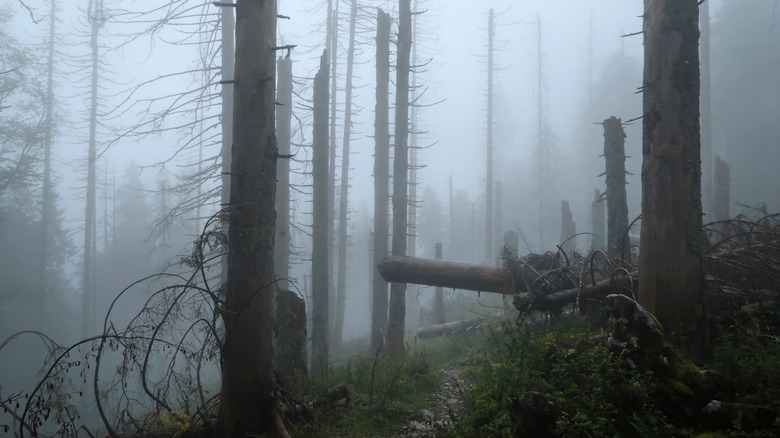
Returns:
(593,392)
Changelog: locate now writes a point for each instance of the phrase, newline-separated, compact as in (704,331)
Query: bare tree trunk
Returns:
(670,260)
(722,184)
(320,225)
(341,288)
(438,299)
(228,66)
(332,41)
(568,229)
(597,221)
(397,312)
(489,256)
(47,201)
(706,112)
(283,123)
(381,178)
(617,205)
(246,402)
(498,201)
(96,19)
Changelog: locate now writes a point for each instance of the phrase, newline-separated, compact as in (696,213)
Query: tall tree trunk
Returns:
(568,229)
(412,306)
(320,233)
(96,19)
(381,178)
(498,201)
(597,221)
(246,399)
(332,41)
(341,287)
(283,123)
(617,205)
(228,66)
(397,312)
(489,256)
(722,183)
(47,201)
(438,298)
(671,278)
(706,112)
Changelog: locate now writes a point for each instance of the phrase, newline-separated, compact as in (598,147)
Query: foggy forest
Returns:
(356,218)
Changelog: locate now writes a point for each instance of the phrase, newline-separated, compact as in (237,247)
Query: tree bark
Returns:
(568,229)
(670,260)
(381,178)
(283,123)
(489,256)
(706,112)
(617,205)
(397,309)
(341,286)
(246,402)
(433,331)
(320,227)
(438,299)
(597,221)
(722,184)
(456,275)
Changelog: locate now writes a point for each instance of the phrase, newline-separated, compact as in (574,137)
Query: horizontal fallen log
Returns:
(457,275)
(434,331)
(554,302)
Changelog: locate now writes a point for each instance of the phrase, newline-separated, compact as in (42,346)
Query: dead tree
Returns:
(341,282)
(381,178)
(246,404)
(597,221)
(489,147)
(722,184)
(283,123)
(397,307)
(438,298)
(568,229)
(617,205)
(670,261)
(706,112)
(320,247)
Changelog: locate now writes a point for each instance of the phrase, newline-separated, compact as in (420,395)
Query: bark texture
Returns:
(320,228)
(381,178)
(438,299)
(722,184)
(246,403)
(397,307)
(283,123)
(670,258)
(617,205)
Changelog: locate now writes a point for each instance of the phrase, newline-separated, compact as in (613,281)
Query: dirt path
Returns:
(448,406)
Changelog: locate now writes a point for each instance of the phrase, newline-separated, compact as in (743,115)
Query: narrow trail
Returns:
(448,407)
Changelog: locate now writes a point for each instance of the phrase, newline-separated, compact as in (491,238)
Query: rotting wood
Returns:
(436,330)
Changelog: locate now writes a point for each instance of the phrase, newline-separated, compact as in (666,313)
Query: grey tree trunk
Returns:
(246,404)
(568,229)
(617,205)
(671,277)
(47,201)
(332,41)
(397,309)
(341,287)
(597,221)
(438,299)
(706,112)
(489,256)
(722,184)
(228,74)
(283,123)
(381,178)
(96,19)
(320,226)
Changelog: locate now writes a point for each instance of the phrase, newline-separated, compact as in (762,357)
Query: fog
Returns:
(159,135)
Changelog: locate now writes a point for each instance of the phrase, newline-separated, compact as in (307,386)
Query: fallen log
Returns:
(436,330)
(554,302)
(457,275)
